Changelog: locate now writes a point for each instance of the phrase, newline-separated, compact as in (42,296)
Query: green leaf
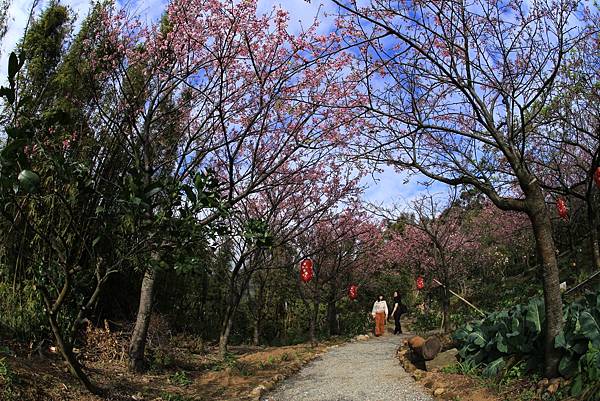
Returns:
(577,386)
(535,316)
(13,67)
(189,193)
(8,93)
(494,367)
(29,180)
(95,241)
(13,148)
(567,366)
(590,327)
(152,192)
(477,339)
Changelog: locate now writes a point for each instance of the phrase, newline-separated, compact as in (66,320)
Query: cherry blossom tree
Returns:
(264,224)
(345,248)
(249,98)
(444,240)
(456,91)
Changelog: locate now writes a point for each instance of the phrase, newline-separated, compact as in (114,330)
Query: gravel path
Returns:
(360,371)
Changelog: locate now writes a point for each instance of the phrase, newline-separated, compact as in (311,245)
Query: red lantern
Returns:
(597,176)
(353,292)
(420,283)
(306,270)
(561,206)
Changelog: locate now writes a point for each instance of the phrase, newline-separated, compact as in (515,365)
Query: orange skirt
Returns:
(379,323)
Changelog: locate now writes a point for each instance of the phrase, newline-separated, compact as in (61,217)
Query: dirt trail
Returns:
(359,371)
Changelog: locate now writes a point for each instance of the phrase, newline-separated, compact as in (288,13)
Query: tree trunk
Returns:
(225,332)
(66,351)
(542,229)
(446,309)
(593,235)
(332,320)
(137,344)
(313,324)
(256,334)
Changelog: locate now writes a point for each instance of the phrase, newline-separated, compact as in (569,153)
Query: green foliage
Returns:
(516,334)
(22,311)
(586,382)
(180,378)
(517,331)
(174,397)
(427,320)
(161,359)
(7,381)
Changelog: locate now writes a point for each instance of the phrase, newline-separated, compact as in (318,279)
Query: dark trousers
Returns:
(397,329)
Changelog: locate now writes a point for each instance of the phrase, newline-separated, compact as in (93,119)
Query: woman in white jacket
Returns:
(380,314)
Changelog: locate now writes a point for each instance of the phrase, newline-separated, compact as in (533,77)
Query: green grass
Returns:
(180,379)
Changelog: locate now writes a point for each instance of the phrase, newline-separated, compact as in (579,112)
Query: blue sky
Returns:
(387,187)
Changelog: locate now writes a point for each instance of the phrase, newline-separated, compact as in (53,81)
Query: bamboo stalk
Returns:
(461,298)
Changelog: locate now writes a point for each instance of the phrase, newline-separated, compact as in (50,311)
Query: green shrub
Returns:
(517,334)
(180,378)
(7,381)
(586,383)
(22,312)
(426,321)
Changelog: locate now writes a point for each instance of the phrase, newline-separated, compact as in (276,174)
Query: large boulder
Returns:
(442,360)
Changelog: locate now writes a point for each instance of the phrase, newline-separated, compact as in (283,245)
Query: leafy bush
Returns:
(426,321)
(517,331)
(586,383)
(22,312)
(180,378)
(516,335)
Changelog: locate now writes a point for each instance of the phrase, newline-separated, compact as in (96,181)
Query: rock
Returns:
(362,337)
(553,388)
(439,391)
(556,380)
(416,342)
(258,391)
(418,375)
(442,360)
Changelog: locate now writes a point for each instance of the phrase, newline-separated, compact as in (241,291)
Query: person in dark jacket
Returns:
(399,309)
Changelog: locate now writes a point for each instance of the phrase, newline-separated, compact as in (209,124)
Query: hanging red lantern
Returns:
(420,283)
(561,206)
(597,176)
(306,270)
(353,292)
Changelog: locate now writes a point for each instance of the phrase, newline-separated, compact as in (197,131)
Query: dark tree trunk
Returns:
(66,351)
(542,228)
(332,320)
(593,234)
(446,309)
(225,332)
(256,334)
(313,324)
(137,344)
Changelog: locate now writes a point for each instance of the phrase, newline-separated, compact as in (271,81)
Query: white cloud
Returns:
(391,188)
(18,14)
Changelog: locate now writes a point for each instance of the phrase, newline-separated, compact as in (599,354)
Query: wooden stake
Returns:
(461,298)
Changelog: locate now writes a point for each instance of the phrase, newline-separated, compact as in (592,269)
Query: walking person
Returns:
(380,314)
(399,309)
